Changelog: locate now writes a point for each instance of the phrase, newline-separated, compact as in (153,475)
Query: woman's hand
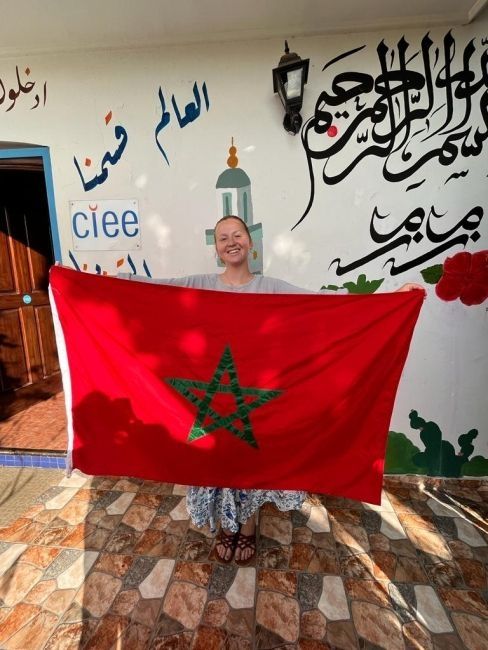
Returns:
(411,286)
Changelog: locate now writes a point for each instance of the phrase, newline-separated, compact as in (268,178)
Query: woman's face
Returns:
(232,242)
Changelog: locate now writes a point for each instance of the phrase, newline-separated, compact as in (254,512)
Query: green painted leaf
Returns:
(363,286)
(432,274)
(330,287)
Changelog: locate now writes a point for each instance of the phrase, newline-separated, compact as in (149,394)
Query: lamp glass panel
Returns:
(293,85)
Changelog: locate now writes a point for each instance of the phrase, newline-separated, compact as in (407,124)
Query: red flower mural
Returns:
(465,276)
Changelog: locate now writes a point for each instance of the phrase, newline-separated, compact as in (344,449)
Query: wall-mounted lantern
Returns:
(289,79)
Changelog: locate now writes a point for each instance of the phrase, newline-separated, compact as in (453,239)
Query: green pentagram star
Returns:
(226,364)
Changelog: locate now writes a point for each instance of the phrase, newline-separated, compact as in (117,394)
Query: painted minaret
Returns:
(234,197)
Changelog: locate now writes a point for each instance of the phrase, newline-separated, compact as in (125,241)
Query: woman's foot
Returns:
(226,543)
(246,542)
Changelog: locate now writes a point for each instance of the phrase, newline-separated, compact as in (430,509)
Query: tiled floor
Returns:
(106,563)
(41,426)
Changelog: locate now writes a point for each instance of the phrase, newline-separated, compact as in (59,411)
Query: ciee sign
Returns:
(105,225)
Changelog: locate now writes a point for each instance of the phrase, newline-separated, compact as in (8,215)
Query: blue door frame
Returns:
(41,152)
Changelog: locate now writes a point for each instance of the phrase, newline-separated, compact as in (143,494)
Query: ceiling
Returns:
(35,26)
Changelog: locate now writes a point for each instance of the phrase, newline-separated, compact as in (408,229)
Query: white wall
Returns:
(446,374)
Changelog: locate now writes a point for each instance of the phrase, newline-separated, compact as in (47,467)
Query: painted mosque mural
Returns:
(234,197)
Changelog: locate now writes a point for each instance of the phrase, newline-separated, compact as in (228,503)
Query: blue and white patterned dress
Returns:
(227,506)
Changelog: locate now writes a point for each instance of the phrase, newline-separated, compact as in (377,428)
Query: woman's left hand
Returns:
(411,286)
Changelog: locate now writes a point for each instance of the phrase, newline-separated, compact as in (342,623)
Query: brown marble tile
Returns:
(40,591)
(125,601)
(59,601)
(40,556)
(178,527)
(115,564)
(377,625)
(53,536)
(417,521)
(283,581)
(325,541)
(27,533)
(17,582)
(462,600)
(276,528)
(17,617)
(313,625)
(76,511)
(216,612)
(109,630)
(409,570)
(76,537)
(384,565)
(35,634)
(148,500)
(324,561)
(341,634)
(278,614)
(357,566)
(379,542)
(71,636)
(98,593)
(370,591)
(445,574)
(185,602)
(209,638)
(449,641)
(138,517)
(472,630)
(146,611)
(474,573)
(123,540)
(156,543)
(300,556)
(45,516)
(417,637)
(311,644)
(6,532)
(195,547)
(196,572)
(354,537)
(301,535)
(136,637)
(240,623)
(339,515)
(460,549)
(429,542)
(277,557)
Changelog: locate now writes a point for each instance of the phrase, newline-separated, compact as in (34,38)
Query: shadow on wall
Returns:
(439,457)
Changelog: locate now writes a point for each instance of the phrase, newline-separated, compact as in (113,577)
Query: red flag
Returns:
(227,389)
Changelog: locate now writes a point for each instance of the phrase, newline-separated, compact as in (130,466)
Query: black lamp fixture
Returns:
(289,79)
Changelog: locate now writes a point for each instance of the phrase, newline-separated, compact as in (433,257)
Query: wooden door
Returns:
(29,368)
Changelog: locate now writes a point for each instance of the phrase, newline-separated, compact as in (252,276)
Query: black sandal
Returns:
(243,542)
(228,541)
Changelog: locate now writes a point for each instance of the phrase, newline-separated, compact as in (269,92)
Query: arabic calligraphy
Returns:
(439,109)
(119,263)
(108,158)
(413,230)
(19,89)
(192,112)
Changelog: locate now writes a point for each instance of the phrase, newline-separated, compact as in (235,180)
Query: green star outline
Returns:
(226,364)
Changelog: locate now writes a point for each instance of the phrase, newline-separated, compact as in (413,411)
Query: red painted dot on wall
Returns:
(332,131)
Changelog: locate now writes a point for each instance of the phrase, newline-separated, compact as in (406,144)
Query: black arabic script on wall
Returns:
(426,105)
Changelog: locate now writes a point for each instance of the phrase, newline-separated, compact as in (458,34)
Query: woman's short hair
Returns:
(231,216)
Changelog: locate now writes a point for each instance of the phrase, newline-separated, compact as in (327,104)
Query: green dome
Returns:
(233,178)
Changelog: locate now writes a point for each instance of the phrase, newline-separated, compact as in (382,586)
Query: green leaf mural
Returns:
(477,466)
(363,286)
(399,453)
(432,274)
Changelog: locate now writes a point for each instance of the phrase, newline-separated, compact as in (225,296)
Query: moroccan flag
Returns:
(224,389)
